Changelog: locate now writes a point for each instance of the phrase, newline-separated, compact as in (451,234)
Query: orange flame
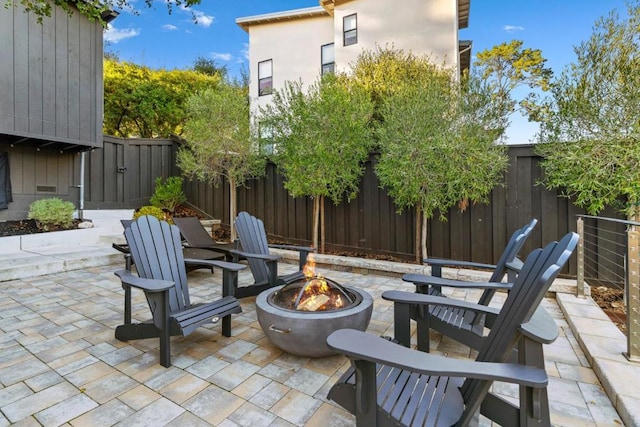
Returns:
(309,269)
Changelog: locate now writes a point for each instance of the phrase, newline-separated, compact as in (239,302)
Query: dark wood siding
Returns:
(51,77)
(37,174)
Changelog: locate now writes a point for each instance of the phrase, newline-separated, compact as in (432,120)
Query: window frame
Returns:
(354,30)
(261,91)
(324,64)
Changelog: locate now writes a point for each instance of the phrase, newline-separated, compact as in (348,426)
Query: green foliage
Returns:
(209,67)
(591,123)
(51,212)
(218,142)
(168,195)
(92,9)
(438,143)
(384,71)
(217,137)
(153,211)
(147,103)
(508,66)
(321,136)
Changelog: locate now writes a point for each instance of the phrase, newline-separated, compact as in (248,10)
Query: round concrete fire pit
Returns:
(304,333)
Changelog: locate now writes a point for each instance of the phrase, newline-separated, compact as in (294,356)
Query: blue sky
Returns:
(157,39)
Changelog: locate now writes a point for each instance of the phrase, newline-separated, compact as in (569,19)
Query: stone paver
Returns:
(60,363)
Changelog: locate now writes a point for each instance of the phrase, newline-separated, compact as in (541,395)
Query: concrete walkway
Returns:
(60,363)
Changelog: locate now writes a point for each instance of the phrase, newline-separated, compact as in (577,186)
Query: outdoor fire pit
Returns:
(299,317)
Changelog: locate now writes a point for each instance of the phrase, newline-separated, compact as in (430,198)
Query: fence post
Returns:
(632,290)
(580,276)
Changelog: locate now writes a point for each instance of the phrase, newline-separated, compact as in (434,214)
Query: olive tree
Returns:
(590,129)
(218,142)
(438,145)
(321,138)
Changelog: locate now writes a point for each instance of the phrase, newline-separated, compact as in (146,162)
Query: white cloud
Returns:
(221,56)
(513,28)
(203,19)
(114,35)
(169,27)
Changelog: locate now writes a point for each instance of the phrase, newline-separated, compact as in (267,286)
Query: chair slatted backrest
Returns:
(540,269)
(514,246)
(157,254)
(193,231)
(253,239)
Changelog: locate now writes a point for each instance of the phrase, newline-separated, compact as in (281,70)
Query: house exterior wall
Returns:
(51,84)
(423,27)
(293,47)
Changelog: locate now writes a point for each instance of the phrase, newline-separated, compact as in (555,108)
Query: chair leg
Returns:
(165,333)
(127,305)
(401,324)
(366,393)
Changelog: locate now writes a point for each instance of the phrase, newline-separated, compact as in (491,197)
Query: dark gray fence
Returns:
(122,175)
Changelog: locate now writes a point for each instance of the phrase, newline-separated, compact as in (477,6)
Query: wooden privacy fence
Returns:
(122,175)
(370,223)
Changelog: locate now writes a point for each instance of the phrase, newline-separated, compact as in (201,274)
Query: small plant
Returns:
(153,211)
(169,195)
(51,213)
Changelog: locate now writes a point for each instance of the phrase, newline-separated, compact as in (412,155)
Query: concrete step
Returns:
(56,259)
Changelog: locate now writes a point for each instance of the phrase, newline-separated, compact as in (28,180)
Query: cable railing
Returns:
(609,263)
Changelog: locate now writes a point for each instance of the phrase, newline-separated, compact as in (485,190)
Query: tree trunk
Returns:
(424,235)
(316,217)
(418,239)
(232,207)
(322,229)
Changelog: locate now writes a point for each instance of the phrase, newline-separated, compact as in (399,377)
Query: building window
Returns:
(350,25)
(327,58)
(265,77)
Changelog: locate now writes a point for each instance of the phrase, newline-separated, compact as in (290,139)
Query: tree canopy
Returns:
(590,127)
(321,137)
(438,145)
(143,102)
(508,66)
(218,142)
(93,9)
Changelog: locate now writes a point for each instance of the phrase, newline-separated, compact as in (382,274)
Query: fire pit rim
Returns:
(354,293)
(265,305)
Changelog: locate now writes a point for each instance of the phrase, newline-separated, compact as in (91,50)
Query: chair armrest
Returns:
(425,280)
(294,248)
(359,345)
(266,257)
(425,299)
(541,327)
(231,266)
(147,285)
(453,263)
(515,265)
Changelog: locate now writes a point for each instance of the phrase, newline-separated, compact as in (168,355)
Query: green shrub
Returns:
(50,213)
(169,195)
(153,211)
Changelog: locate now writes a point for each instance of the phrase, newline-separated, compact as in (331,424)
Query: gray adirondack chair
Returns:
(390,384)
(156,250)
(457,323)
(264,265)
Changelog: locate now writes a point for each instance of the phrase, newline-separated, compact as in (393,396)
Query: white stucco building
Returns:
(301,44)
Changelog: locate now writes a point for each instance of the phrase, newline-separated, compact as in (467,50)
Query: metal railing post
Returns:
(580,275)
(632,293)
